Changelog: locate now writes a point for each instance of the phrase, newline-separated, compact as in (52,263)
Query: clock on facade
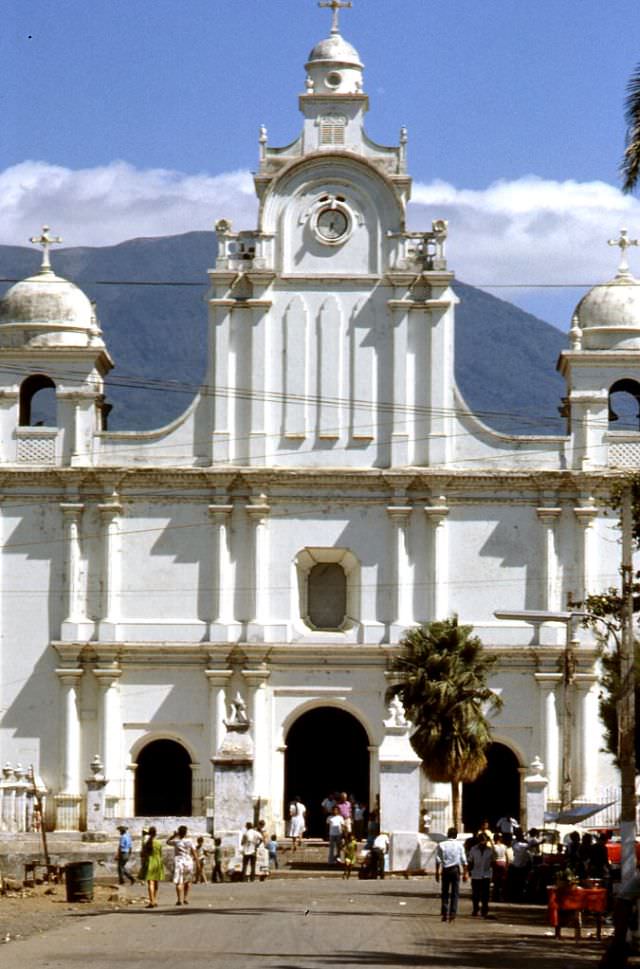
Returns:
(332,225)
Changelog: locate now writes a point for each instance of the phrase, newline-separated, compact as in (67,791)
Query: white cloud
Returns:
(105,205)
(529,230)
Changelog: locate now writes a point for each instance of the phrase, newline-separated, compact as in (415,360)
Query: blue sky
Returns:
(140,117)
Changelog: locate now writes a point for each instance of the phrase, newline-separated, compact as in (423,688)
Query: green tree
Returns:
(630,168)
(606,608)
(441,675)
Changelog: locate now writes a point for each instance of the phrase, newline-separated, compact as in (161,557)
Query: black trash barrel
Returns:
(78,876)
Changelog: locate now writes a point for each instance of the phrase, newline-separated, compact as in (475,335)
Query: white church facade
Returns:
(327,489)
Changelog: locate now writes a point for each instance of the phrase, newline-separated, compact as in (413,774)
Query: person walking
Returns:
(451,863)
(216,873)
(350,853)
(297,822)
(201,878)
(335,824)
(500,867)
(153,865)
(183,864)
(249,842)
(123,855)
(272,848)
(480,858)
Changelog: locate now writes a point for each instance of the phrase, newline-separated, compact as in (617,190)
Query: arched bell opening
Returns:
(624,405)
(38,406)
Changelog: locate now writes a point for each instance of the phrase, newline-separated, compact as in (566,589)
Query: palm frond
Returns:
(630,167)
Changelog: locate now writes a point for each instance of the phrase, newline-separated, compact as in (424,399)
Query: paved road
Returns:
(309,923)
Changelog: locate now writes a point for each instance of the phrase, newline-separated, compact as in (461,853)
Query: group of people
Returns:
(505,859)
(259,852)
(189,862)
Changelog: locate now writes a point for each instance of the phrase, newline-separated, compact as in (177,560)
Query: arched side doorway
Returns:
(327,750)
(495,792)
(163,780)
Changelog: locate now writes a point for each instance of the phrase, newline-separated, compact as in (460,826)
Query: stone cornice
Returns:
(419,483)
(217,659)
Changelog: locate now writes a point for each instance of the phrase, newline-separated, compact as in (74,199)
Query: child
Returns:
(272,847)
(350,852)
(216,874)
(200,858)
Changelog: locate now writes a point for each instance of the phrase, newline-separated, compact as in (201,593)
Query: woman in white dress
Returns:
(297,822)
(184,863)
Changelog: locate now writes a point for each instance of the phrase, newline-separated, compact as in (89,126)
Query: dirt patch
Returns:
(33,911)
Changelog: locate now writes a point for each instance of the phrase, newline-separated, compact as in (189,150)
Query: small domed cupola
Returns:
(46,310)
(334,65)
(609,314)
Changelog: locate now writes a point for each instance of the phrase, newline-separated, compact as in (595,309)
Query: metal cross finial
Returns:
(336,6)
(623,243)
(46,241)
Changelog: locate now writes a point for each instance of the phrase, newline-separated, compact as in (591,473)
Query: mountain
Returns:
(157,334)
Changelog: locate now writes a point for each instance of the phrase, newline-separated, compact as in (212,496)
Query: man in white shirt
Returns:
(251,838)
(452,861)
(378,851)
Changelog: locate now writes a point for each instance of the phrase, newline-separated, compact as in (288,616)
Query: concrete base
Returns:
(409,852)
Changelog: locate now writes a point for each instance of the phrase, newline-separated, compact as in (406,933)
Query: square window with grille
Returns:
(332,131)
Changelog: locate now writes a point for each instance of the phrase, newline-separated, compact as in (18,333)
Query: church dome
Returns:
(337,50)
(46,310)
(609,314)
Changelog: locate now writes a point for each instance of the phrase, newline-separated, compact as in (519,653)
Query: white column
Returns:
(111,577)
(403,579)
(258,440)
(8,797)
(69,683)
(439,567)
(223,391)
(549,580)
(256,681)
(586,555)
(218,684)
(588,738)
(258,511)
(76,625)
(222,597)
(550,720)
(110,722)
(400,416)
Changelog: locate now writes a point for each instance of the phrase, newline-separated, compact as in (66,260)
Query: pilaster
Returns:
(222,603)
(76,626)
(110,513)
(549,580)
(438,571)
(399,516)
(258,511)
(110,721)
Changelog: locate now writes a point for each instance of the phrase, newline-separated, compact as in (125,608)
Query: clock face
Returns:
(332,225)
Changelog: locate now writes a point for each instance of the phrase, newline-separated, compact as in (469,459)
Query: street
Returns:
(301,923)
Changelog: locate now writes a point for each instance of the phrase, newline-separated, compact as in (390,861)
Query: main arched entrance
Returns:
(163,780)
(327,750)
(496,792)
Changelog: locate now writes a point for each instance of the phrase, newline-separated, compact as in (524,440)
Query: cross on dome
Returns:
(623,243)
(335,6)
(46,241)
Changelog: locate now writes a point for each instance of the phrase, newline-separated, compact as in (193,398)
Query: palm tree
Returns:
(441,675)
(630,168)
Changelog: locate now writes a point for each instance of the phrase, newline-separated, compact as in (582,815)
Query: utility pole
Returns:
(626,705)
